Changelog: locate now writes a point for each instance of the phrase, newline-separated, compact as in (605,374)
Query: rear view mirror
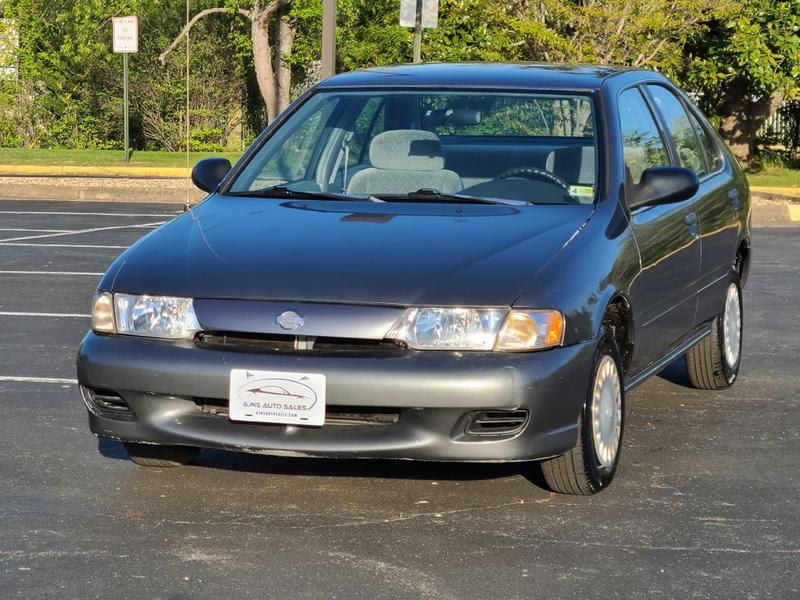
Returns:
(209,172)
(663,185)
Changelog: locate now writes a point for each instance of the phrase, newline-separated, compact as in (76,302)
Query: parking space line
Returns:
(37,379)
(63,245)
(33,230)
(76,273)
(91,214)
(36,314)
(80,231)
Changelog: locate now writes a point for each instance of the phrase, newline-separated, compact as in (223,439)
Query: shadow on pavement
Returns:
(378,468)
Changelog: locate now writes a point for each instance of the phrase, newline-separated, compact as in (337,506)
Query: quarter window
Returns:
(680,128)
(642,146)
(710,148)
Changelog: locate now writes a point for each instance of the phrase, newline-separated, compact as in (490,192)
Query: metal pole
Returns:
(418,33)
(328,38)
(125,110)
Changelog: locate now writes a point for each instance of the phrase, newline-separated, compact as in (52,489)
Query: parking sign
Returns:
(430,13)
(126,34)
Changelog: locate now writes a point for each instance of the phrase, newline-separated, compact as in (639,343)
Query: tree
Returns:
(270,59)
(745,67)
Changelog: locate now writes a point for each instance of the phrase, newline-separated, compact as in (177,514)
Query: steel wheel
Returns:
(606,412)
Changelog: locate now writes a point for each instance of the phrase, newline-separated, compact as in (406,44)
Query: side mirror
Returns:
(663,185)
(208,172)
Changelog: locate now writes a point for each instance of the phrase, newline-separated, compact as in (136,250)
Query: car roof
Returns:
(482,75)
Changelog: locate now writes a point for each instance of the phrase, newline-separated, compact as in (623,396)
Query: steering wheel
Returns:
(534,173)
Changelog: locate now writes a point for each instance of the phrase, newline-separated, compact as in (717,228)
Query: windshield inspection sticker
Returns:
(277,397)
(582,191)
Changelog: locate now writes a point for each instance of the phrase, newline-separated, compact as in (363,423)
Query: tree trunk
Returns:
(742,117)
(273,74)
(262,59)
(286,33)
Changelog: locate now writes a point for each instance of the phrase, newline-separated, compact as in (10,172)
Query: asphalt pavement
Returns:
(705,504)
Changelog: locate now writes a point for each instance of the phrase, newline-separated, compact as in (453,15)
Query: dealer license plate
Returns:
(277,397)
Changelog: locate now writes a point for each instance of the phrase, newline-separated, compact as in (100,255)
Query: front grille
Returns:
(106,403)
(289,344)
(334,415)
(496,422)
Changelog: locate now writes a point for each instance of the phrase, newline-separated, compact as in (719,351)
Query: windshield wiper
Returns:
(281,191)
(430,195)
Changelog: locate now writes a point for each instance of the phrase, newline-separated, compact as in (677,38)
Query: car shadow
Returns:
(675,372)
(243,462)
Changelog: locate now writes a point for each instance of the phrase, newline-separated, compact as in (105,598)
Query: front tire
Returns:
(713,364)
(156,455)
(590,466)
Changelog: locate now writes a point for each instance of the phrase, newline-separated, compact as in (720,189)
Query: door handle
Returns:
(733,196)
(691,221)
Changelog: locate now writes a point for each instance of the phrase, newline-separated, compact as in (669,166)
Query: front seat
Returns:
(404,161)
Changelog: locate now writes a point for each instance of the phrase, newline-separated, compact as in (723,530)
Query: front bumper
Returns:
(163,383)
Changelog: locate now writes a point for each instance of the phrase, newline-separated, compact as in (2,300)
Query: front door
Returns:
(716,202)
(664,296)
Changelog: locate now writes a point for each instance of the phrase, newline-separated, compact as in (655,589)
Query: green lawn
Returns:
(779,176)
(103,158)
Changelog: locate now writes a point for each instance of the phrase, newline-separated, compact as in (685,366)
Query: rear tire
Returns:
(156,455)
(590,466)
(713,364)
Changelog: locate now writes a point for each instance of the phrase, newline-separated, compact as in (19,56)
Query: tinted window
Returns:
(710,148)
(642,146)
(680,128)
(518,116)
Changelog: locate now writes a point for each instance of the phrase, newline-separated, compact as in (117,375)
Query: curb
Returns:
(789,191)
(75,171)
(100,189)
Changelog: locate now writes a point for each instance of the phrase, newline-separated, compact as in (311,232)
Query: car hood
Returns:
(354,252)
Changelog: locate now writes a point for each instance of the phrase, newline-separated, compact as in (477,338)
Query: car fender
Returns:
(596,266)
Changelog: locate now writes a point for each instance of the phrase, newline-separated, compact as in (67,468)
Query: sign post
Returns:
(419,14)
(126,41)
(328,38)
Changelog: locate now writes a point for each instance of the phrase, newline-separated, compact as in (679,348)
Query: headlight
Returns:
(479,329)
(152,316)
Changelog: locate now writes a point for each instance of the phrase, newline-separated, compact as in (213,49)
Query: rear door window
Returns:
(642,146)
(680,129)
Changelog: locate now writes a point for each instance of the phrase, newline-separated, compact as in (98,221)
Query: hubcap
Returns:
(606,411)
(732,326)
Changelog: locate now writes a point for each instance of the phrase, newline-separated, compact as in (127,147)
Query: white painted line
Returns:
(63,245)
(37,379)
(92,214)
(77,273)
(33,314)
(79,231)
(33,230)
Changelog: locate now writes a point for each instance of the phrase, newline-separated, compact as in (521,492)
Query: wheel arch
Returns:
(742,260)
(617,320)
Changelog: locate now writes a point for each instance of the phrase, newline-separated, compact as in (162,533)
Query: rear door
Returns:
(663,297)
(716,202)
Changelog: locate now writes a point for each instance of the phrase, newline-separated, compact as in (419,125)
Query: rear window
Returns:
(517,116)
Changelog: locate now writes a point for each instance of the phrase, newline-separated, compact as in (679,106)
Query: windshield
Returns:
(429,146)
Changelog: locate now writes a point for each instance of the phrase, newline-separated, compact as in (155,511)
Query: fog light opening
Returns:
(496,422)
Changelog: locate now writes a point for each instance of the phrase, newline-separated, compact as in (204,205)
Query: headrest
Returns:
(406,150)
